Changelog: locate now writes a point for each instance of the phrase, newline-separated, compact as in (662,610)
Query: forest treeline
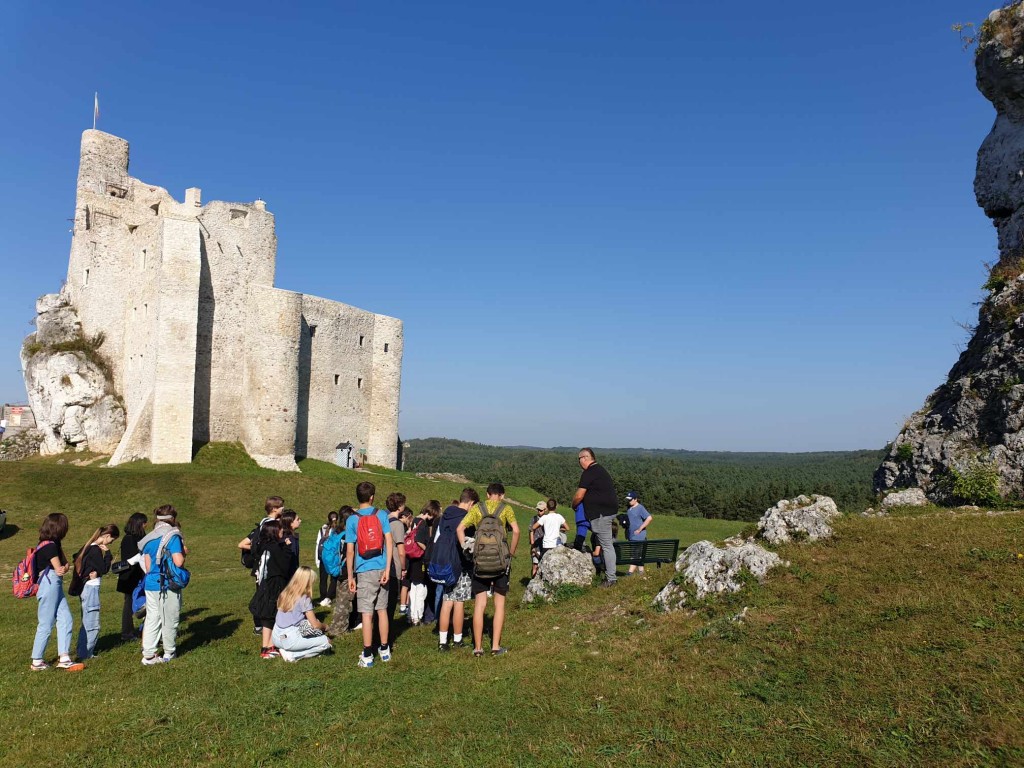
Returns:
(730,486)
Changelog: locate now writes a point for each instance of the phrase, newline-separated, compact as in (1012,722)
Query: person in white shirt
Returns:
(552,524)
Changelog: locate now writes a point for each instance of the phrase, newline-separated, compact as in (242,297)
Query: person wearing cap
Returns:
(600,503)
(536,536)
(639,518)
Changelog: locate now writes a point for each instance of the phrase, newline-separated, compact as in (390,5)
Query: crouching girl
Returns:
(298,634)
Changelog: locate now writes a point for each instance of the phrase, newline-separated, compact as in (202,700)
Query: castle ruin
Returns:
(201,346)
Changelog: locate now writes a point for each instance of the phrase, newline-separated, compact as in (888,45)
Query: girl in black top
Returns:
(91,563)
(272,577)
(290,522)
(129,580)
(50,567)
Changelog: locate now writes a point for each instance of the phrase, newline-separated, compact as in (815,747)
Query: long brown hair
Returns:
(111,530)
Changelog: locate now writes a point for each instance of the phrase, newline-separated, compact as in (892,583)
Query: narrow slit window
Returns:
(85,280)
(360,341)
(145,311)
(336,377)
(359,383)
(385,346)
(312,333)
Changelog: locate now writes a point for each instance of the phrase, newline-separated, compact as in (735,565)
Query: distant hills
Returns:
(718,484)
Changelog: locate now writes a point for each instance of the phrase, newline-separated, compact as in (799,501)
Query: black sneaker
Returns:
(460,644)
(443,647)
(257,630)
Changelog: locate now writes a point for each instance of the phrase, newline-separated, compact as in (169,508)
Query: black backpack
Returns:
(251,556)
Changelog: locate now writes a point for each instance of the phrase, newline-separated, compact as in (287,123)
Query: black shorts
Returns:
(499,585)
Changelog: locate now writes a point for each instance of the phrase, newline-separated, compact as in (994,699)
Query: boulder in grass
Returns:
(704,569)
(912,497)
(562,565)
(805,517)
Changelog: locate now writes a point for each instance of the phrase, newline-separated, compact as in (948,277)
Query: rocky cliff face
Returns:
(68,385)
(975,419)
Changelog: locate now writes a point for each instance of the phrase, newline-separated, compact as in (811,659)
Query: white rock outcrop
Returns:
(562,565)
(805,517)
(912,497)
(709,570)
(70,394)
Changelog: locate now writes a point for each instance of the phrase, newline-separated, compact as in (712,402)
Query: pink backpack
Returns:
(25,582)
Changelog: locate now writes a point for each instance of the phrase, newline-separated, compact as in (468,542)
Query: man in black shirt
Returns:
(597,493)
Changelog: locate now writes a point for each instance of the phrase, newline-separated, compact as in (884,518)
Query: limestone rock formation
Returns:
(68,388)
(562,565)
(976,415)
(704,569)
(21,446)
(912,497)
(805,517)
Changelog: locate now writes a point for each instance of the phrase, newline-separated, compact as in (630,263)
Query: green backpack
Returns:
(491,556)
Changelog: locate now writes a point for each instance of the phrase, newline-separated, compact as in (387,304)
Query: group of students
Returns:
(369,562)
(150,576)
(373,561)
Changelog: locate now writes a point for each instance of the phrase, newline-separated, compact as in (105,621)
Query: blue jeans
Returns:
(53,609)
(90,631)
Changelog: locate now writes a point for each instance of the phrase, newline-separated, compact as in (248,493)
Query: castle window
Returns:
(145,311)
(385,346)
(142,259)
(155,208)
(239,218)
(312,333)
(336,377)
(132,228)
(115,191)
(360,341)
(359,383)
(85,278)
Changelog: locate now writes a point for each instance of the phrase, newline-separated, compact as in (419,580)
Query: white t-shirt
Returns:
(551,524)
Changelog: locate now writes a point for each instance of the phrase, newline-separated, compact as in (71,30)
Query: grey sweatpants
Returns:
(602,528)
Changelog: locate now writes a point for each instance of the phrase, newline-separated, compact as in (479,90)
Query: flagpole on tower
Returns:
(95,109)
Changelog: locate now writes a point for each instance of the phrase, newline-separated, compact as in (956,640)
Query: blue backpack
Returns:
(445,562)
(331,554)
(172,577)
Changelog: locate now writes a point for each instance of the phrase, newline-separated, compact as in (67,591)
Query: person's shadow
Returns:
(207,630)
(9,530)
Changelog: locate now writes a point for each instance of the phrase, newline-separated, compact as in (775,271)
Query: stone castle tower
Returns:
(201,345)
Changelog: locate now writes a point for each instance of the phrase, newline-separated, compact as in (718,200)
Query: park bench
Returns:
(644,552)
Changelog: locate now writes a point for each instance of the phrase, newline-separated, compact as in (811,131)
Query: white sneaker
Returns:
(385,654)
(325,602)
(365,662)
(168,657)
(153,660)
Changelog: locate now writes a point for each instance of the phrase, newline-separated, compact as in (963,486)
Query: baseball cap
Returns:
(631,495)
(542,506)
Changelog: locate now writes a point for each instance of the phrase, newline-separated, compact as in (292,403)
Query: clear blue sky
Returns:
(742,226)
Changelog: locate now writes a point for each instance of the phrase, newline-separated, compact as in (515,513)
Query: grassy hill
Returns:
(897,643)
(724,485)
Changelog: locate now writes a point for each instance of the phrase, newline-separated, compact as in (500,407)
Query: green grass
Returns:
(898,643)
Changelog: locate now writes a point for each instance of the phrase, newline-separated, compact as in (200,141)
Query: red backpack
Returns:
(25,582)
(369,536)
(413,549)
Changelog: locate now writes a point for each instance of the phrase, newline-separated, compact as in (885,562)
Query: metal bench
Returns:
(644,552)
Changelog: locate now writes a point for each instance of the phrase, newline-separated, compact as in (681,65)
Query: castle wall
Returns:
(270,376)
(175,343)
(336,376)
(382,439)
(238,251)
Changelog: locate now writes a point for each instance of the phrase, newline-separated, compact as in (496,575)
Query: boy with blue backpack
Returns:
(368,545)
(450,568)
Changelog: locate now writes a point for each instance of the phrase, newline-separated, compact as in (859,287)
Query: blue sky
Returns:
(684,225)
